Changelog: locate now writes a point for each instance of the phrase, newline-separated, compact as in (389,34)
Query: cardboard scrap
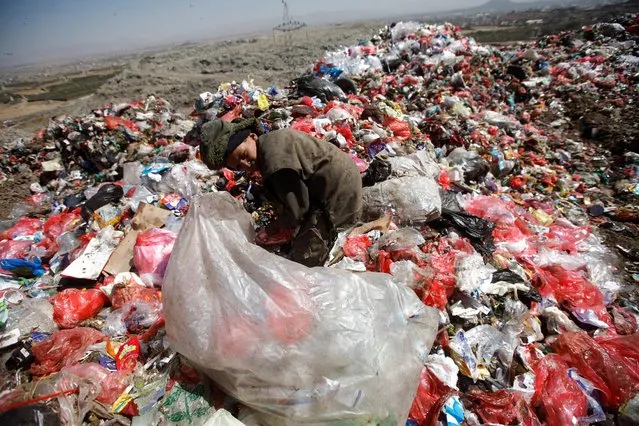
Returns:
(147,217)
(90,264)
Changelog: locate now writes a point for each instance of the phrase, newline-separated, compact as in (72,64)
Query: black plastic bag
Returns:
(320,87)
(479,231)
(378,171)
(107,194)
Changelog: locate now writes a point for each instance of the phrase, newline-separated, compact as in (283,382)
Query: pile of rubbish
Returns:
(478,290)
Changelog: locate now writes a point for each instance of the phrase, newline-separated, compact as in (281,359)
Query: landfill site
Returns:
(490,278)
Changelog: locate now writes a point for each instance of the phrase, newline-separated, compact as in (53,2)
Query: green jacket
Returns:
(305,174)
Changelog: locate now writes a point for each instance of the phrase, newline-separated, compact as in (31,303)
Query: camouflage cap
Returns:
(214,140)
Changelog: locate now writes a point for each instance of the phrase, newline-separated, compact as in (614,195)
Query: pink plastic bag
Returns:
(111,384)
(151,255)
(566,239)
(492,208)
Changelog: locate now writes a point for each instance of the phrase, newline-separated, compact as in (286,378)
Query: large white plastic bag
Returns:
(418,163)
(349,354)
(413,199)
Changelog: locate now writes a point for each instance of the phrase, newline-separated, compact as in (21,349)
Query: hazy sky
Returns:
(43,30)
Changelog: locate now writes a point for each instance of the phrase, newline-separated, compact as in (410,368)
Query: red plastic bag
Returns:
(232,114)
(134,293)
(356,247)
(24,227)
(72,306)
(503,407)
(265,237)
(111,384)
(113,122)
(442,284)
(400,128)
(151,254)
(571,289)
(611,363)
(384,262)
(431,396)
(346,132)
(560,397)
(60,223)
(305,125)
(63,348)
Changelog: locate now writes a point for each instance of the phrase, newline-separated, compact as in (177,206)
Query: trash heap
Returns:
(485,194)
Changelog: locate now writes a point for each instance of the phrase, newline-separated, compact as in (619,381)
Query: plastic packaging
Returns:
(72,306)
(132,317)
(490,342)
(32,314)
(474,167)
(13,249)
(151,254)
(413,199)
(223,418)
(280,337)
(478,230)
(63,348)
(471,273)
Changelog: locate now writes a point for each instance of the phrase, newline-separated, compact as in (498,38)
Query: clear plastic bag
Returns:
(280,337)
(418,163)
(414,199)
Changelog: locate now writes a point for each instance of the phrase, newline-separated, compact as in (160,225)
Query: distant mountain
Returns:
(501,6)
(504,6)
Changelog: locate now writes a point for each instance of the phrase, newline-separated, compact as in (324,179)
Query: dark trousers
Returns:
(312,244)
